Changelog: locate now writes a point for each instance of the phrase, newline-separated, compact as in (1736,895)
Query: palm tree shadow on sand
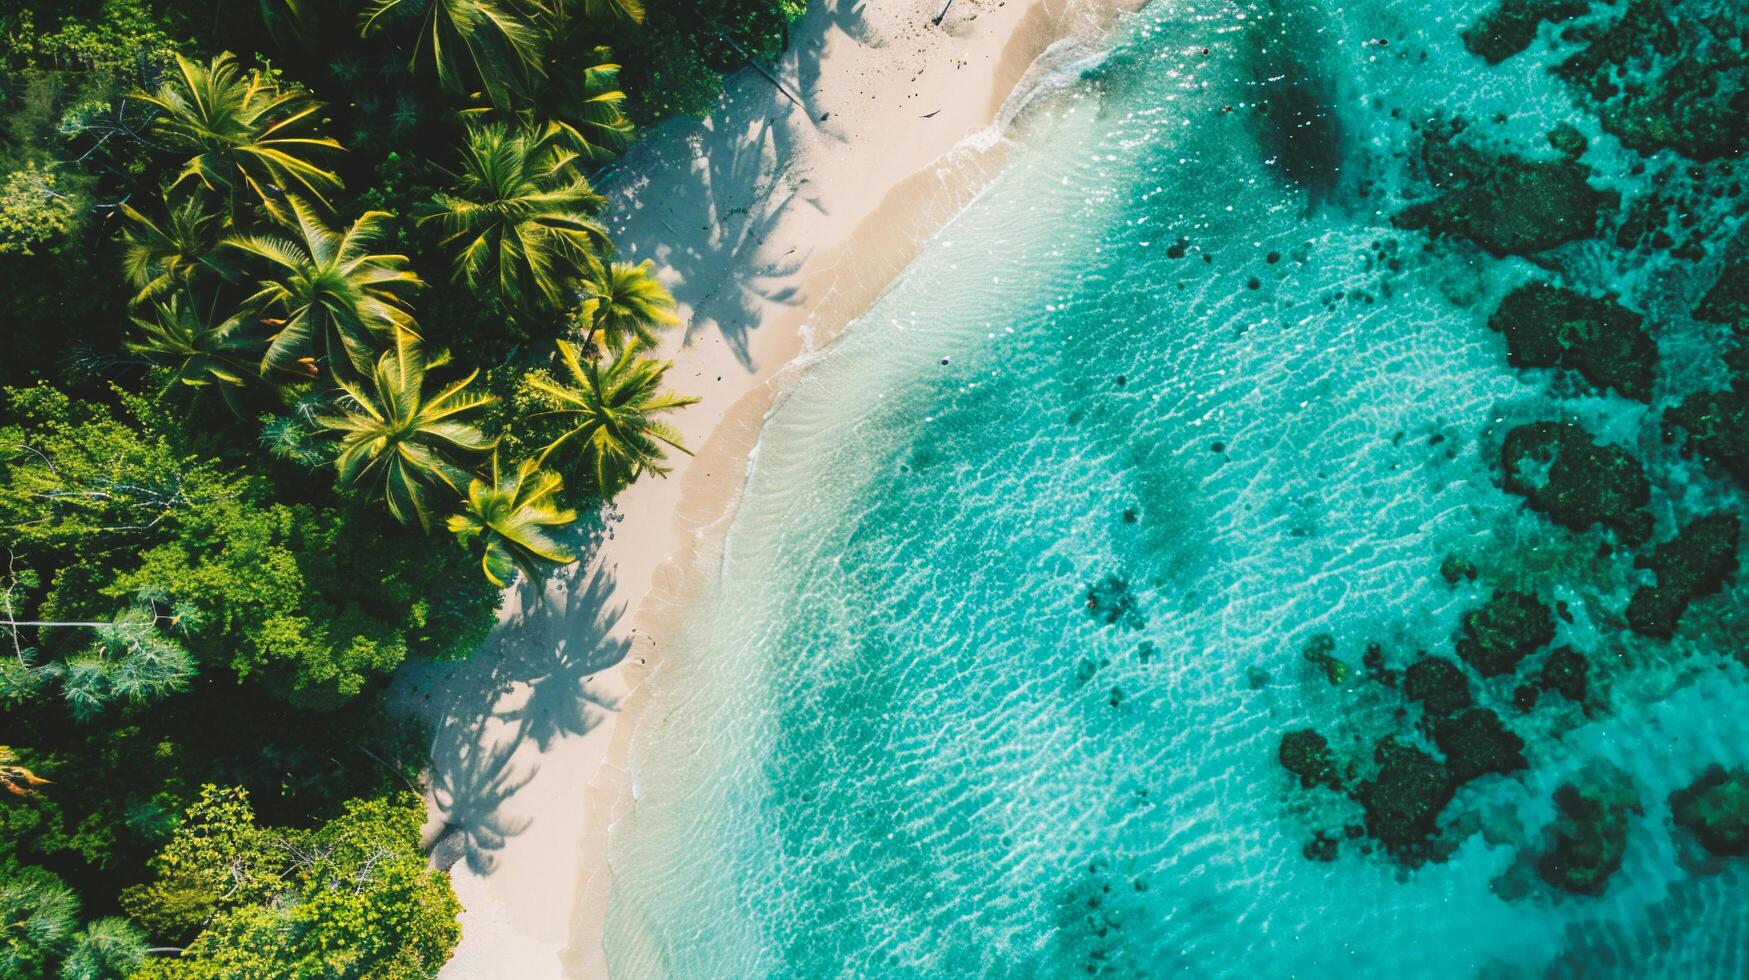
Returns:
(527,685)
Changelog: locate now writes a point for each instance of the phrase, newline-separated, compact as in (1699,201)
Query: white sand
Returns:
(773,226)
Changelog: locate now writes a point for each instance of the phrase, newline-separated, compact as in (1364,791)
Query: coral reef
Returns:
(1715,808)
(1476,743)
(1564,672)
(1510,625)
(1695,563)
(1577,482)
(1590,834)
(1306,754)
(1548,326)
(1404,800)
(1510,26)
(1438,684)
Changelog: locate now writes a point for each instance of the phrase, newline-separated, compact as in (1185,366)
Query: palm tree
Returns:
(197,351)
(511,515)
(243,131)
(15,777)
(292,23)
(612,413)
(624,303)
(397,441)
(467,43)
(163,256)
(336,297)
(523,223)
(577,100)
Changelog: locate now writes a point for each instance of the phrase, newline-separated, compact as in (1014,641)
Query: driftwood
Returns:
(938,17)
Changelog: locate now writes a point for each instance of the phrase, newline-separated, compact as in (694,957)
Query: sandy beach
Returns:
(774,222)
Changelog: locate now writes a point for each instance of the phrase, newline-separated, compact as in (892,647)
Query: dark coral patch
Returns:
(1565,672)
(1509,28)
(1404,800)
(1715,808)
(1548,326)
(1577,482)
(1476,743)
(1697,562)
(1306,754)
(1438,684)
(1589,836)
(1495,637)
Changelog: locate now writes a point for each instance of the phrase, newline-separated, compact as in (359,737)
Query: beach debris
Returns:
(932,115)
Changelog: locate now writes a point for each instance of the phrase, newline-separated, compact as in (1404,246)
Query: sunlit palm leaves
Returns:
(336,298)
(612,413)
(624,302)
(15,778)
(397,441)
(510,515)
(196,350)
(293,23)
(245,134)
(523,225)
(469,44)
(167,254)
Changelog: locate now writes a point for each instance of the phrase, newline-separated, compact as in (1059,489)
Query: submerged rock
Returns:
(1404,800)
(1438,684)
(1695,563)
(1589,836)
(1511,25)
(1728,299)
(1322,847)
(1111,602)
(1504,631)
(1565,672)
(1549,326)
(1306,754)
(1457,568)
(1507,204)
(1717,427)
(1319,651)
(1476,743)
(1662,83)
(1715,808)
(1577,482)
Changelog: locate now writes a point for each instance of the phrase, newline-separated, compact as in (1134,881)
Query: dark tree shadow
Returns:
(527,685)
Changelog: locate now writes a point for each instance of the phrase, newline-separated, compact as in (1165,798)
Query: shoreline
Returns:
(799,221)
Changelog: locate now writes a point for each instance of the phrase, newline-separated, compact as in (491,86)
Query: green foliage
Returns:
(400,443)
(245,132)
(38,914)
(611,430)
(33,212)
(106,949)
(508,517)
(624,303)
(522,221)
(167,255)
(194,350)
(333,296)
(467,44)
(353,898)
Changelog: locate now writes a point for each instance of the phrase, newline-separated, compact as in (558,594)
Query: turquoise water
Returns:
(890,740)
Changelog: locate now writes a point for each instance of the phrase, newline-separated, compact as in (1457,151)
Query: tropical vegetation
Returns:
(317,341)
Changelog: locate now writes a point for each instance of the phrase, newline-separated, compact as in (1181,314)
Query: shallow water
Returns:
(890,740)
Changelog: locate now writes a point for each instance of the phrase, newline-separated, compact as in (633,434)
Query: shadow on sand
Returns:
(526,686)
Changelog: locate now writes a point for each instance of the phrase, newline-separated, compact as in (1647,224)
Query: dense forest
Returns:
(314,339)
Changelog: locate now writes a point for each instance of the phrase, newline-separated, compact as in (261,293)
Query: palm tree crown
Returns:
(243,130)
(468,43)
(167,255)
(397,441)
(624,302)
(336,297)
(197,351)
(510,514)
(522,220)
(611,413)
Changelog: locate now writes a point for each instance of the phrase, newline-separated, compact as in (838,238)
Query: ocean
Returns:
(1187,434)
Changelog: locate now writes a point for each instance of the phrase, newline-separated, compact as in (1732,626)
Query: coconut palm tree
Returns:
(611,413)
(578,106)
(468,44)
(166,255)
(624,303)
(246,134)
(397,440)
(511,514)
(522,223)
(334,296)
(197,351)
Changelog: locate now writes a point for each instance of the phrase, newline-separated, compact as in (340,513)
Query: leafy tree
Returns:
(523,224)
(108,948)
(624,303)
(218,861)
(336,298)
(195,351)
(400,442)
(509,515)
(129,660)
(165,256)
(467,44)
(33,212)
(610,415)
(353,898)
(38,914)
(245,133)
